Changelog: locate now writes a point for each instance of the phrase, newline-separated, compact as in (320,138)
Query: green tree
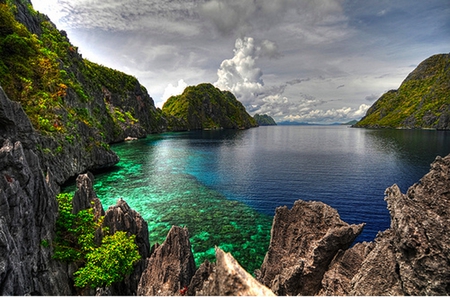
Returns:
(101,265)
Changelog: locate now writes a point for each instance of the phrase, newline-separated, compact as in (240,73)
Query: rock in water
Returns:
(170,268)
(226,278)
(304,241)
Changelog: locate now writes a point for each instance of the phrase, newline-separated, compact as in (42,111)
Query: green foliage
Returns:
(264,120)
(75,242)
(420,100)
(110,262)
(206,107)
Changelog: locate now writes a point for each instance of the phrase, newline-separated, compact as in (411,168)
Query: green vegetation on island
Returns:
(205,107)
(264,120)
(422,100)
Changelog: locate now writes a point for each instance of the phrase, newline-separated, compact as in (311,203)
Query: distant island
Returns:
(421,101)
(264,120)
(205,107)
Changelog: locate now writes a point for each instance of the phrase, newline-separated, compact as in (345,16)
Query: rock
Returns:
(337,279)
(304,241)
(378,274)
(170,268)
(122,218)
(28,210)
(420,222)
(226,278)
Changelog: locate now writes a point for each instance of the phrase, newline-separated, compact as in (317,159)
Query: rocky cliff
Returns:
(204,107)
(76,107)
(421,101)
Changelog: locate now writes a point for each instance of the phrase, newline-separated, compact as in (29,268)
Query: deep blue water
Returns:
(225,185)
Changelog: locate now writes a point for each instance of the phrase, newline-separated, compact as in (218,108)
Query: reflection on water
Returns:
(225,185)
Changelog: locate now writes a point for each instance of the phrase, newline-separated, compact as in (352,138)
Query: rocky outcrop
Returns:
(205,107)
(304,241)
(420,224)
(27,211)
(170,268)
(225,278)
(412,257)
(121,217)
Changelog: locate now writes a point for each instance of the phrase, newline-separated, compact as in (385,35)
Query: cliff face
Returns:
(76,107)
(27,211)
(422,100)
(206,107)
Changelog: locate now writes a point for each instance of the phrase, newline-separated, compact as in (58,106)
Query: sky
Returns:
(315,61)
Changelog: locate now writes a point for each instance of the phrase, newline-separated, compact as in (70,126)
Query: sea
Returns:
(225,185)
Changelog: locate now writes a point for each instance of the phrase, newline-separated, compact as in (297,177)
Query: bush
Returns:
(100,265)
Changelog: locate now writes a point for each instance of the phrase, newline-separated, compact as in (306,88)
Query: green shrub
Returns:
(100,265)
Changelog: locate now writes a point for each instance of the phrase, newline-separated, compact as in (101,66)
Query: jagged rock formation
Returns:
(304,241)
(121,217)
(264,120)
(225,278)
(170,268)
(418,237)
(421,101)
(412,257)
(27,211)
(205,107)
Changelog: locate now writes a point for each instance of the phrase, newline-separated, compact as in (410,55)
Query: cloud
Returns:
(240,75)
(333,115)
(172,90)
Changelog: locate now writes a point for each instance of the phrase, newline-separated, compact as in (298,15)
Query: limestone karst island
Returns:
(60,117)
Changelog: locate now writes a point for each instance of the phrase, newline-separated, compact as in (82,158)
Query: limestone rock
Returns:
(420,221)
(337,280)
(226,278)
(170,268)
(121,217)
(304,241)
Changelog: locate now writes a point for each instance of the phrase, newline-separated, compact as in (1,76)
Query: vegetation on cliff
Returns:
(76,106)
(422,100)
(264,120)
(101,264)
(205,107)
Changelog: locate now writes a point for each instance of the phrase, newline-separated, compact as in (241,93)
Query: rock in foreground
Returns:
(304,241)
(226,278)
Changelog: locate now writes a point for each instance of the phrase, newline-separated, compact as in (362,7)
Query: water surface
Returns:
(225,185)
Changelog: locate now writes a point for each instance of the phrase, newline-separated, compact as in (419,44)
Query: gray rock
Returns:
(28,211)
(304,241)
(170,268)
(122,218)
(226,278)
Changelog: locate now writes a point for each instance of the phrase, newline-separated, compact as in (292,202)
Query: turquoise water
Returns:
(225,185)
